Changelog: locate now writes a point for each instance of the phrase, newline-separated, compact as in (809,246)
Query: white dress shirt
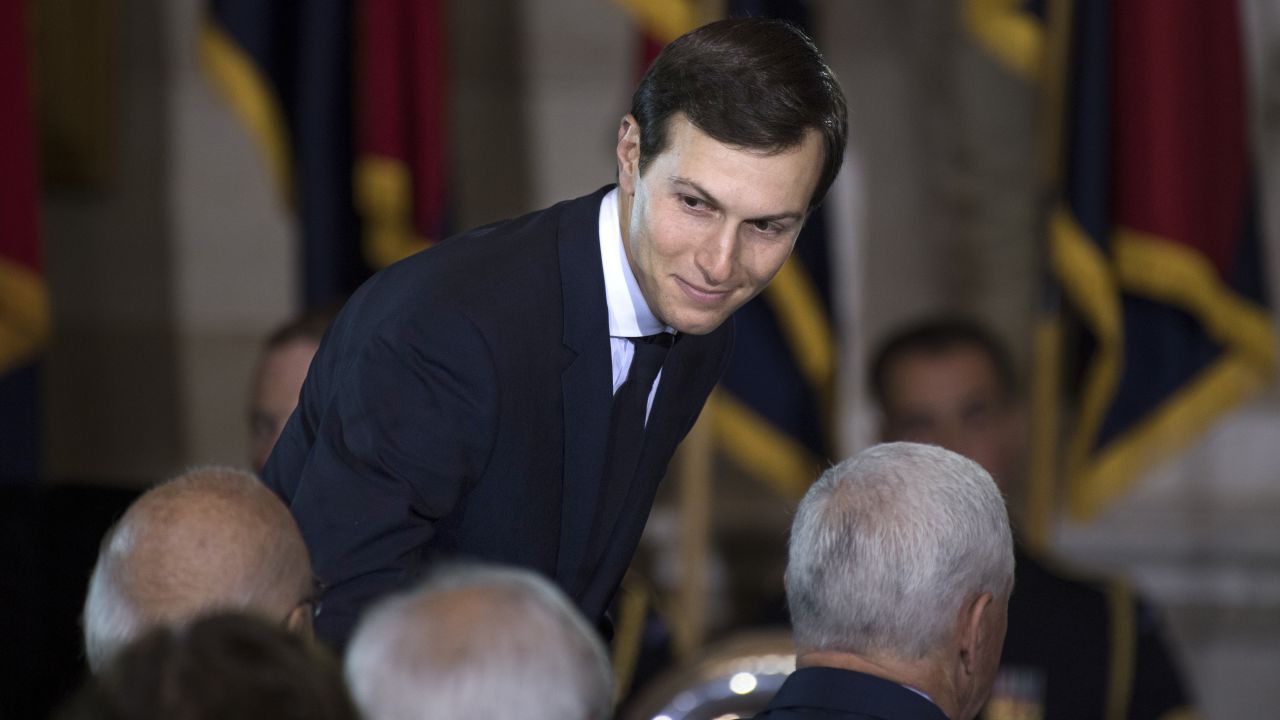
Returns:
(629,314)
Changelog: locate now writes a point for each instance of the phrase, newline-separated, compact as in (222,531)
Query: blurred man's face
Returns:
(275,394)
(953,399)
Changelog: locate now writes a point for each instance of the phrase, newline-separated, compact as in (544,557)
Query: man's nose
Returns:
(717,255)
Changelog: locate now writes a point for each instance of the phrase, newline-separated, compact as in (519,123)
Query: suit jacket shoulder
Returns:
(813,693)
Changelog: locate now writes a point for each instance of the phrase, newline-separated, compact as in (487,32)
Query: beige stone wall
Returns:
(111,380)
(234,252)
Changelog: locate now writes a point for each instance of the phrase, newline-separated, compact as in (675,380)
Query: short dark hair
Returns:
(935,336)
(747,82)
(225,665)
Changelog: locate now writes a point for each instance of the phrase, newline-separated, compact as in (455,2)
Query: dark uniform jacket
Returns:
(1081,649)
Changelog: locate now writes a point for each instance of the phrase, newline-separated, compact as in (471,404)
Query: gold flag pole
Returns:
(694,467)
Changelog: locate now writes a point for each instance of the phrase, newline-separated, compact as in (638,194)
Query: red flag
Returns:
(401,148)
(348,99)
(1155,242)
(24,307)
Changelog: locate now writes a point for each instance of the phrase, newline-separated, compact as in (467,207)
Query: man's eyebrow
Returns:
(695,187)
(711,200)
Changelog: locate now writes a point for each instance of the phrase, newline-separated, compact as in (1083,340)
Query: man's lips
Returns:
(700,294)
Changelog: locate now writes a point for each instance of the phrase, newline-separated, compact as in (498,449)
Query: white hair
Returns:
(479,642)
(888,545)
(159,564)
(110,619)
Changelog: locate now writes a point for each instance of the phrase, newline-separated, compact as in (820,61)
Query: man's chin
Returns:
(698,325)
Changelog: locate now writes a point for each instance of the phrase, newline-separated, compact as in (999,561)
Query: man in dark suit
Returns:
(509,395)
(1076,647)
(898,579)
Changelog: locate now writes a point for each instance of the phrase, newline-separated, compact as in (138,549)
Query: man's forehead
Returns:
(960,367)
(777,182)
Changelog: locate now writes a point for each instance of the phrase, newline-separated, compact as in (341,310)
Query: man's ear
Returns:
(975,619)
(628,152)
(299,621)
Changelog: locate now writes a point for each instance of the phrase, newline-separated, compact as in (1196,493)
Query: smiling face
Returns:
(708,225)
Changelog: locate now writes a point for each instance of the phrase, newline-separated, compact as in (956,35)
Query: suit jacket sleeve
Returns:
(409,422)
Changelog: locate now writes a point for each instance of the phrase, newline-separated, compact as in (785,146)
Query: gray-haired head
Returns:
(887,547)
(213,538)
(479,642)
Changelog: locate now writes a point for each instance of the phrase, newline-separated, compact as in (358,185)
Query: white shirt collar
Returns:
(921,693)
(629,314)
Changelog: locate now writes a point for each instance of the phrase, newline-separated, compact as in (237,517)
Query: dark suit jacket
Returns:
(820,692)
(1083,648)
(459,406)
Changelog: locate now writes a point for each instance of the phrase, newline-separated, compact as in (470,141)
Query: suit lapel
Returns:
(666,419)
(685,382)
(585,384)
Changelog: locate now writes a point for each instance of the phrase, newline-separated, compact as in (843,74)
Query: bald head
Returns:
(212,538)
(479,642)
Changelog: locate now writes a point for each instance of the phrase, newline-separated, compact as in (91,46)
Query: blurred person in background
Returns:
(277,380)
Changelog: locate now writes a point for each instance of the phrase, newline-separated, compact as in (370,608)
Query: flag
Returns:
(347,101)
(24,304)
(401,172)
(1011,31)
(1153,238)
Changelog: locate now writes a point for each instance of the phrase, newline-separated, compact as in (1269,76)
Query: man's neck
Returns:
(630,314)
(923,676)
